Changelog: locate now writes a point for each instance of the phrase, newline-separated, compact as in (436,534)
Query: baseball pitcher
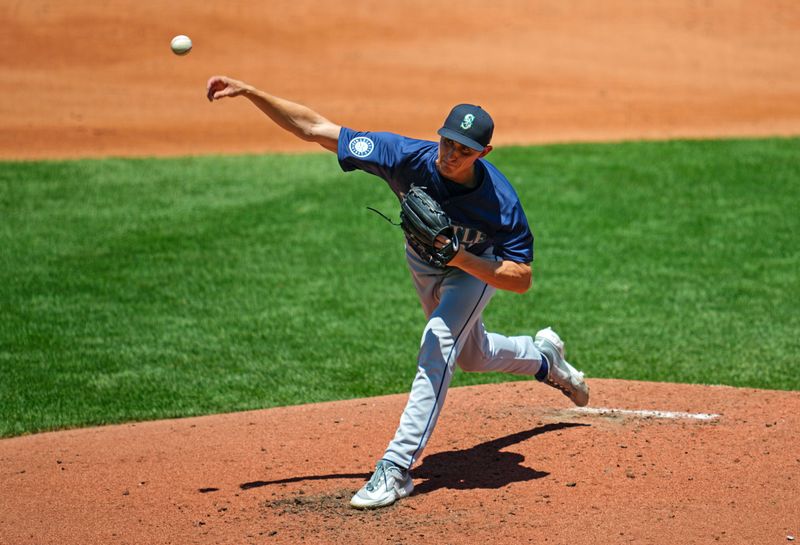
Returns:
(467,236)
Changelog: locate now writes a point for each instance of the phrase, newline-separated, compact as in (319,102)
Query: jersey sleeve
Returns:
(515,241)
(378,153)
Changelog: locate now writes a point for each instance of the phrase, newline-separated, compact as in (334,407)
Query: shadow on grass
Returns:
(481,466)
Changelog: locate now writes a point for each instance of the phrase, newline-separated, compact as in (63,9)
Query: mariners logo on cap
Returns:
(361,146)
(467,123)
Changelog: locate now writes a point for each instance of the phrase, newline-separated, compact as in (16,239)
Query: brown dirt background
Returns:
(508,463)
(93,79)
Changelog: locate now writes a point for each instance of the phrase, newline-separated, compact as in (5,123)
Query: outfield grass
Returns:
(139,289)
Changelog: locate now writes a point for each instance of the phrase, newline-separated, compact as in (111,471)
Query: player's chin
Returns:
(444,168)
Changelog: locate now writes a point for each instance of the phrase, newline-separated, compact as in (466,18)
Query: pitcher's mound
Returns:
(509,463)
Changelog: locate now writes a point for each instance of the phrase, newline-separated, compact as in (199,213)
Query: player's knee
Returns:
(473,356)
(469,365)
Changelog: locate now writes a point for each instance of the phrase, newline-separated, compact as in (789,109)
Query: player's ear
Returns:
(485,151)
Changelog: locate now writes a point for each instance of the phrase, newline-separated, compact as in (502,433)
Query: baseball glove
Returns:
(422,219)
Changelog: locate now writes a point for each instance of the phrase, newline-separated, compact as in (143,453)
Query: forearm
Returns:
(504,275)
(299,120)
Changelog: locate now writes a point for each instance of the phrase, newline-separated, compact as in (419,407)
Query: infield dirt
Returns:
(508,463)
(94,79)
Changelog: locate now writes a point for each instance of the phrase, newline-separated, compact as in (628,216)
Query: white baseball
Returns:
(181,44)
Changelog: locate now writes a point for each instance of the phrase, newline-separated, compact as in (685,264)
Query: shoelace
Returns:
(380,474)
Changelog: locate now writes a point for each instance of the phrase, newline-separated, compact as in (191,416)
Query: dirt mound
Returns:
(510,463)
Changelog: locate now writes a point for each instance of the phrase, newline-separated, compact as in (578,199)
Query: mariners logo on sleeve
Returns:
(361,146)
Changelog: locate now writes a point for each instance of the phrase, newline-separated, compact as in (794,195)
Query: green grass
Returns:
(139,289)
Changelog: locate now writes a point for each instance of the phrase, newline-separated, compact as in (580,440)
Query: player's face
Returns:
(455,160)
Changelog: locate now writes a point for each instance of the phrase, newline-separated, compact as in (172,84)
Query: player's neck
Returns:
(467,179)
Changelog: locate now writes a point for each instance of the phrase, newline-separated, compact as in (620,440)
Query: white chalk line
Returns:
(646,414)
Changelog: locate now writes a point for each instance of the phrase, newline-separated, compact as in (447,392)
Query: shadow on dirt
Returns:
(258,484)
(481,466)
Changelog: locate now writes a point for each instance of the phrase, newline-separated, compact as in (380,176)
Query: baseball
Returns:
(181,44)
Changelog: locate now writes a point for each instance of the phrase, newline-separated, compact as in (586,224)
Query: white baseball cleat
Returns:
(561,374)
(388,484)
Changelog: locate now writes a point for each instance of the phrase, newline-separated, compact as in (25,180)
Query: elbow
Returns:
(518,277)
(305,128)
(307,133)
(523,284)
(524,287)
(324,133)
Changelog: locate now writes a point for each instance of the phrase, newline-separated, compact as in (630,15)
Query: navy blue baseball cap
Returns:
(469,125)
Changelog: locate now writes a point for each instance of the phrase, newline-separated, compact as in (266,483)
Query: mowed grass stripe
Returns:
(139,289)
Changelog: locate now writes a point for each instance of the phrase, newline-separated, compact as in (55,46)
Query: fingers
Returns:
(440,242)
(215,83)
(222,86)
(214,86)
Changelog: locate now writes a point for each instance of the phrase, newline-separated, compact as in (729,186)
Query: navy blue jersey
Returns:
(488,216)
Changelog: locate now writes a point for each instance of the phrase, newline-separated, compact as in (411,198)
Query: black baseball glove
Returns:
(422,219)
